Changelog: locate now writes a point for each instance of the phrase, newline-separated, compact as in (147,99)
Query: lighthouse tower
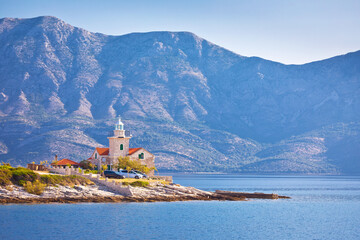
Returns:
(119,143)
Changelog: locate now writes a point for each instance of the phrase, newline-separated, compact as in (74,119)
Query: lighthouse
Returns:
(119,143)
(119,147)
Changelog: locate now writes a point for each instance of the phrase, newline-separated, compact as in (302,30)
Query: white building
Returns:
(119,146)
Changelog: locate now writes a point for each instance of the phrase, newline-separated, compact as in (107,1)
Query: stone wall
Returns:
(149,159)
(112,185)
(36,167)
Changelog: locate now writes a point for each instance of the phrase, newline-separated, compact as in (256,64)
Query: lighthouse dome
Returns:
(119,125)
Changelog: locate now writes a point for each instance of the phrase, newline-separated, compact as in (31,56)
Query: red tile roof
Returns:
(65,161)
(103,151)
(133,150)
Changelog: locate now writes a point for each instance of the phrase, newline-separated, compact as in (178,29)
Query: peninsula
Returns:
(21,185)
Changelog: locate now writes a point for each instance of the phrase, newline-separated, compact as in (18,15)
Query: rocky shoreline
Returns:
(98,194)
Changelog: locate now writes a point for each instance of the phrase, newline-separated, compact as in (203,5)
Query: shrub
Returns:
(50,179)
(139,184)
(5,166)
(86,164)
(35,187)
(35,182)
(21,175)
(5,176)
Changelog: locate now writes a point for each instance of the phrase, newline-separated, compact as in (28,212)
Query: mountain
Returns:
(197,106)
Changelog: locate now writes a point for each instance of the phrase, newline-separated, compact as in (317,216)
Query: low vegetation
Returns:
(71,180)
(130,181)
(22,175)
(17,176)
(91,171)
(35,183)
(35,187)
(137,183)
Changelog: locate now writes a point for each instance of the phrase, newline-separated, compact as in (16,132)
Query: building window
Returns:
(141,156)
(95,155)
(121,147)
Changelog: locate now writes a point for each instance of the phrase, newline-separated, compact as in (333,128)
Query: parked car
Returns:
(141,173)
(130,174)
(113,174)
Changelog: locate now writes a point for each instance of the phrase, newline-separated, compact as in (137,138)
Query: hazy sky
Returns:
(287,31)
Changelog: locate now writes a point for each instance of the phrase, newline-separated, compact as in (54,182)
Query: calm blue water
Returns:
(321,208)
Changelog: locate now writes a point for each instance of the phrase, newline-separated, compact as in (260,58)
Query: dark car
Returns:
(113,174)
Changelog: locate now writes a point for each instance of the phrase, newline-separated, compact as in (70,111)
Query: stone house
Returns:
(119,146)
(65,162)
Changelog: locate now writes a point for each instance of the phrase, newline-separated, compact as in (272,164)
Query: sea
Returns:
(321,207)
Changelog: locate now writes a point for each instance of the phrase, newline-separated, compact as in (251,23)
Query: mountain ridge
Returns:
(134,33)
(196,105)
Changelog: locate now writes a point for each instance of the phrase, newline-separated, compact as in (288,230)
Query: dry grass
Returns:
(137,183)
(71,180)
(35,187)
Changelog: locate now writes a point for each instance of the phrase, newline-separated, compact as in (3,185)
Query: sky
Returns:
(286,31)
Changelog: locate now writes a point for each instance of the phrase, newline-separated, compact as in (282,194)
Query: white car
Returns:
(130,174)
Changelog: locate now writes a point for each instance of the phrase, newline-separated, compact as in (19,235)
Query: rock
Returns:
(251,195)
(167,193)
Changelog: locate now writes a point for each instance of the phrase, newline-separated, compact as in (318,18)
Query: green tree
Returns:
(86,164)
(128,164)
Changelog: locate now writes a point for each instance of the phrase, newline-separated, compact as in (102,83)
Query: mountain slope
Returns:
(197,106)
